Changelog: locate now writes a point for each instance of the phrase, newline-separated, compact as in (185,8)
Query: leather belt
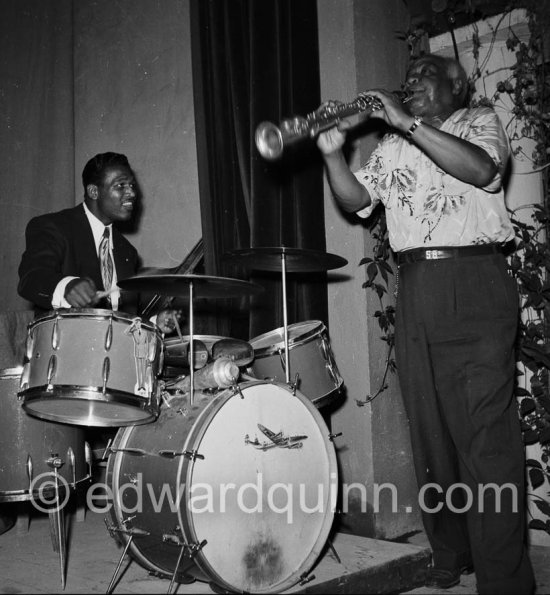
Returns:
(420,254)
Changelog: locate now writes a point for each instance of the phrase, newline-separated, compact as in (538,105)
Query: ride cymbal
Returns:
(296,259)
(203,286)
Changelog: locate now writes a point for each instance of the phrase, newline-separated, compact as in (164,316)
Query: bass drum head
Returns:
(262,491)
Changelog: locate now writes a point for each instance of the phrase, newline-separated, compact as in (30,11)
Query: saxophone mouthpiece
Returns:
(403,96)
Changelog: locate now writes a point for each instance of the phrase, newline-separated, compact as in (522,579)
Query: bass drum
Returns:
(254,472)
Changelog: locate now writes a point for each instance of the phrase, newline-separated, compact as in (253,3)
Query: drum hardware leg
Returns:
(119,564)
(107,449)
(57,519)
(334,553)
(132,532)
(192,549)
(191,347)
(285,317)
(331,437)
(304,579)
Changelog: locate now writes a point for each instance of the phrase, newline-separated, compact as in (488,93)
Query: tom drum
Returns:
(92,367)
(310,356)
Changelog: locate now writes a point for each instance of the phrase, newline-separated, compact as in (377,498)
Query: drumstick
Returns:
(102,294)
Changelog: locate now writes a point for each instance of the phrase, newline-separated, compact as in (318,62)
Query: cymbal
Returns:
(203,286)
(296,259)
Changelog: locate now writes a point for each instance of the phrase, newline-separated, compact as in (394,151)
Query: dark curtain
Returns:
(253,61)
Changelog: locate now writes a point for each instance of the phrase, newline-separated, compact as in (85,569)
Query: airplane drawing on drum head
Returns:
(277,440)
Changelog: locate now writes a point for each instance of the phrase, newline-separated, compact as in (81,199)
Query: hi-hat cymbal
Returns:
(203,286)
(296,259)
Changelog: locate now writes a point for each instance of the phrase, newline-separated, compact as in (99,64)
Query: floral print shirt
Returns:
(426,206)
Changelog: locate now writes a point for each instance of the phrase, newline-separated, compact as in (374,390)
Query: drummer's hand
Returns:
(167,320)
(81,292)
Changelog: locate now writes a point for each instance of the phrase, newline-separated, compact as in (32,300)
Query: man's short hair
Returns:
(94,170)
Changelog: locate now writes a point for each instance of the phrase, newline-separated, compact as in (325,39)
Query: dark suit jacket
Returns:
(61,244)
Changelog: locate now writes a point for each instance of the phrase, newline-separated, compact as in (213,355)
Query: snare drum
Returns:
(31,449)
(243,485)
(309,354)
(92,367)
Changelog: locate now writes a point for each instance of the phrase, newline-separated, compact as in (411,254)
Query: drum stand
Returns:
(132,533)
(192,549)
(286,259)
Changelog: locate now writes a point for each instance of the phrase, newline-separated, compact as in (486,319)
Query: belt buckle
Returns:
(432,254)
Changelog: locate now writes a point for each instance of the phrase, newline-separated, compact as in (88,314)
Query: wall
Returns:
(36,125)
(525,186)
(359,50)
(134,94)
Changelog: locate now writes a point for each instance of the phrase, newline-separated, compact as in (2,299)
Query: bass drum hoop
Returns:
(185,471)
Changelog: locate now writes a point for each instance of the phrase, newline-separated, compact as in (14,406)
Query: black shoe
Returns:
(440,578)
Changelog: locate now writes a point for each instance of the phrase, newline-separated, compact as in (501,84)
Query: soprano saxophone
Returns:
(272,139)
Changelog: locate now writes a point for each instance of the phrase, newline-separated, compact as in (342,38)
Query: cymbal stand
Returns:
(191,347)
(285,317)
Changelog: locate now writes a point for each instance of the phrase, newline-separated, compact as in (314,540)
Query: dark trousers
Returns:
(456,325)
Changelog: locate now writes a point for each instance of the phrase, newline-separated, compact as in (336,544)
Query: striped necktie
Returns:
(106,261)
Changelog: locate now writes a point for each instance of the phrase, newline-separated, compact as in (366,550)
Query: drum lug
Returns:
(70,456)
(333,372)
(331,437)
(106,372)
(192,455)
(52,368)
(29,344)
(131,451)
(109,335)
(237,390)
(29,470)
(55,334)
(88,457)
(294,385)
(24,380)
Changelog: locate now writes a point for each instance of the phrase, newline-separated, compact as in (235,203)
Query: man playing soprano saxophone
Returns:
(438,173)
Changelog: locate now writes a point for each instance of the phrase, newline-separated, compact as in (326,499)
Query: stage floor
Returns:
(29,564)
